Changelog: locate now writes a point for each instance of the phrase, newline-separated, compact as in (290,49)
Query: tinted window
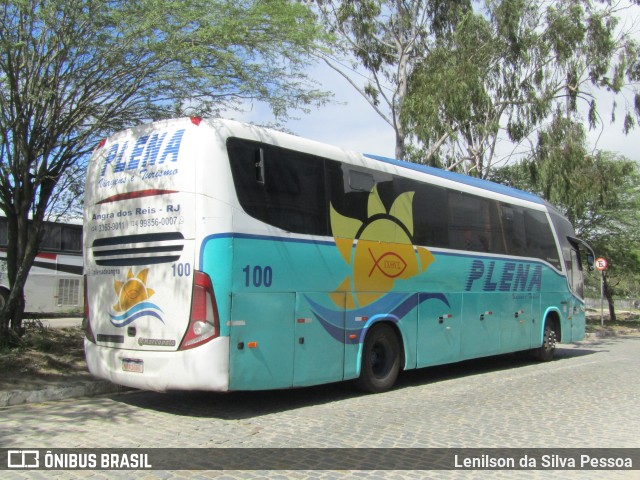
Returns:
(430,212)
(575,274)
(564,230)
(54,237)
(474,224)
(350,188)
(281,187)
(71,239)
(51,237)
(512,219)
(540,242)
(293,191)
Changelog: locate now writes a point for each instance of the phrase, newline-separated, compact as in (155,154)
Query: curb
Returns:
(59,392)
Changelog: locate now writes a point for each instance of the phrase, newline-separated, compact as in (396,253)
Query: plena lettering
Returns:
(504,276)
(149,150)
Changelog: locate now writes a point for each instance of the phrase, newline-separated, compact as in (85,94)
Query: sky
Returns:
(350,122)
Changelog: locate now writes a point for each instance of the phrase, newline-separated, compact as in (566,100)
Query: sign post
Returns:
(601,264)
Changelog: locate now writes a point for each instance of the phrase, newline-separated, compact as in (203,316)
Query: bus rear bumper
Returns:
(202,368)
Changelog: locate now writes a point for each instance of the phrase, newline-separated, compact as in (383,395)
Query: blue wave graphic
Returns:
(341,324)
(144,309)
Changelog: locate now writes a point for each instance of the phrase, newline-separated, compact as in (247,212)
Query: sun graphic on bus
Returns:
(132,291)
(133,295)
(379,250)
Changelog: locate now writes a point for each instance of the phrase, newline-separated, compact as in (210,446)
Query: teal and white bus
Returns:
(223,256)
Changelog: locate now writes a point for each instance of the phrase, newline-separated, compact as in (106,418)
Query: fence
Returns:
(619,303)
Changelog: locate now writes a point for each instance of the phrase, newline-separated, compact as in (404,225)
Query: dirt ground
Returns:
(47,355)
(626,323)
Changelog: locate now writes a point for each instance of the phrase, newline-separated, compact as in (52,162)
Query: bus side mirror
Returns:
(590,261)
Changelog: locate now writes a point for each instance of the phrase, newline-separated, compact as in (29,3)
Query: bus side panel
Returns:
(408,327)
(481,314)
(261,341)
(516,322)
(536,315)
(319,354)
(578,322)
(216,259)
(439,331)
(554,303)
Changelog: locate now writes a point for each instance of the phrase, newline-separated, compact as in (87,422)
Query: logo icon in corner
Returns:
(133,299)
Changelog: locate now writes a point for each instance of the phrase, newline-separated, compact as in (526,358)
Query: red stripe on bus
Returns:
(138,194)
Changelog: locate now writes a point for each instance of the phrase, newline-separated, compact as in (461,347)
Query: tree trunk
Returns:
(608,293)
(400,145)
(22,247)
(11,329)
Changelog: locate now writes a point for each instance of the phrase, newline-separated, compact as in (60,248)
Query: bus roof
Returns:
(294,141)
(460,178)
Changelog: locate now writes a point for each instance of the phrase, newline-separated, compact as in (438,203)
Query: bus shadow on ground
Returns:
(479,366)
(251,404)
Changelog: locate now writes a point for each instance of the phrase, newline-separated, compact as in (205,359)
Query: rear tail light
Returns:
(203,322)
(86,322)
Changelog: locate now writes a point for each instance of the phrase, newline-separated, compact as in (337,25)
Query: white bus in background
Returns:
(54,285)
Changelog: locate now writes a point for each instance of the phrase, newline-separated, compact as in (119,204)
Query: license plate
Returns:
(132,365)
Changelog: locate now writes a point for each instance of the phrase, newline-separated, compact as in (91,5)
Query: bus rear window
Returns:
(280,187)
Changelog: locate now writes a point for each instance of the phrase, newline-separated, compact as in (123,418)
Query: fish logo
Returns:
(133,295)
(390,264)
(379,250)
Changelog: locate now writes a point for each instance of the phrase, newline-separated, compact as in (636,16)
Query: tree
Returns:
(72,72)
(509,68)
(387,39)
(598,193)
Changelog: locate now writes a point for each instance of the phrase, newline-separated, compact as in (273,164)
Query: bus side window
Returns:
(361,181)
(575,277)
(540,242)
(349,189)
(280,187)
(512,220)
(71,239)
(430,212)
(469,227)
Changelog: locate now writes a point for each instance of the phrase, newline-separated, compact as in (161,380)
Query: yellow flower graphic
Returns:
(132,291)
(379,250)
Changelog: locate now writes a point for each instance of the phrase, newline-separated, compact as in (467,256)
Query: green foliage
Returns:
(73,72)
(508,69)
(599,193)
(387,38)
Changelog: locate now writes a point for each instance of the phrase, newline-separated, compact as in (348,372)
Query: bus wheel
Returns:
(549,338)
(380,360)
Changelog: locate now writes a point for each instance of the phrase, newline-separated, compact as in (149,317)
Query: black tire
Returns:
(549,338)
(380,360)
